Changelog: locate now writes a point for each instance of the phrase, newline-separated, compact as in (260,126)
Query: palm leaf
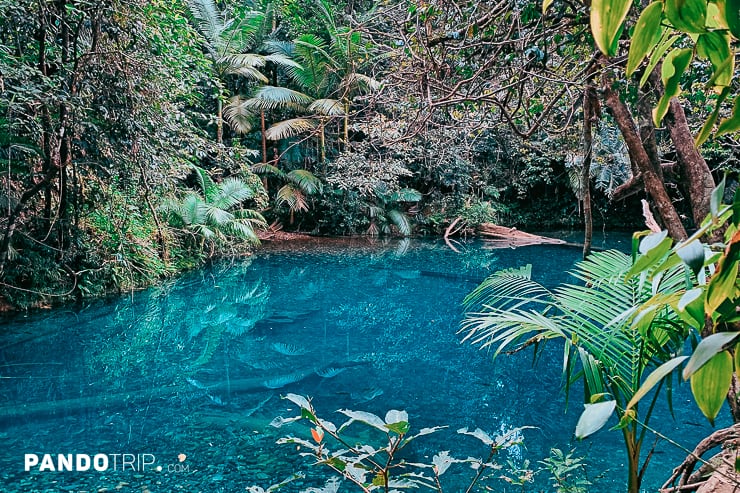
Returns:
(238,115)
(293,197)
(272,97)
(400,220)
(289,128)
(209,22)
(305,180)
(231,192)
(327,107)
(207,186)
(267,169)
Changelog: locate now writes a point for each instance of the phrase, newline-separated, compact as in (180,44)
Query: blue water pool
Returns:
(175,387)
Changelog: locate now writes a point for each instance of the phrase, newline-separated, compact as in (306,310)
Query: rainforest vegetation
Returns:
(142,138)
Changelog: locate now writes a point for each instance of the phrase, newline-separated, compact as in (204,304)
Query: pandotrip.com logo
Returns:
(100,462)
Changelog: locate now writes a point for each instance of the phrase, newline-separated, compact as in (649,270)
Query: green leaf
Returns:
(711,383)
(731,124)
(691,307)
(652,240)
(674,65)
(647,34)
(732,16)
(736,208)
(401,428)
(656,376)
(692,255)
(657,55)
(715,199)
(707,349)
(715,46)
(594,417)
(689,16)
(607,21)
(652,256)
(722,285)
(706,129)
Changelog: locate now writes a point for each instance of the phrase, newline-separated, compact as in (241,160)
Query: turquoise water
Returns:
(185,379)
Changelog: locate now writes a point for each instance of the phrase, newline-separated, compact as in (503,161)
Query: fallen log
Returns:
(503,237)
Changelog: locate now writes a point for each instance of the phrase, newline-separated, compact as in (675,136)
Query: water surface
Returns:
(190,373)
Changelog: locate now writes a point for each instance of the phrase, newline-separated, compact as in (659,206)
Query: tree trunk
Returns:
(589,116)
(699,177)
(639,156)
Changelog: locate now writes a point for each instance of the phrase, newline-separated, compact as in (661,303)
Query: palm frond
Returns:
(250,73)
(267,169)
(327,107)
(361,82)
(305,180)
(207,186)
(231,192)
(209,22)
(238,116)
(289,128)
(272,97)
(400,221)
(217,217)
(282,60)
(293,197)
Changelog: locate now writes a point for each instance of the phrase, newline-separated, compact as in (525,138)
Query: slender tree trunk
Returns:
(653,184)
(264,138)
(219,121)
(589,116)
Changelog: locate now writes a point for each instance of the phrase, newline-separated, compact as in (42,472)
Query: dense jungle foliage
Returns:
(140,138)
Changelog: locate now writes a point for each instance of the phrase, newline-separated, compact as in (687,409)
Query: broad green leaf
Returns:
(594,417)
(731,124)
(689,16)
(692,255)
(691,308)
(607,21)
(706,129)
(715,46)
(732,16)
(400,427)
(707,348)
(711,383)
(657,56)
(648,32)
(652,240)
(721,286)
(737,356)
(652,257)
(715,199)
(674,65)
(656,376)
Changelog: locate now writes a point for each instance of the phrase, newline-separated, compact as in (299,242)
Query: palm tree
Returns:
(387,211)
(227,42)
(213,214)
(300,183)
(603,324)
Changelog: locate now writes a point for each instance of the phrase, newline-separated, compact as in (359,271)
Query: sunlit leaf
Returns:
(647,34)
(656,376)
(732,16)
(692,255)
(657,55)
(594,417)
(707,348)
(706,129)
(674,65)
(689,16)
(731,124)
(607,21)
(711,383)
(715,46)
